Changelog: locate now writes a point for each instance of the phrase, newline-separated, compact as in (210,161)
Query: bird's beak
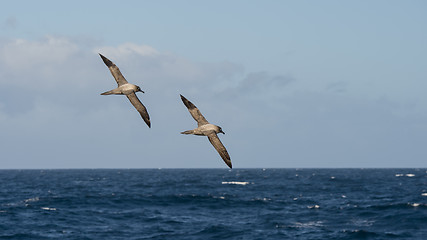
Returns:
(222,132)
(141,91)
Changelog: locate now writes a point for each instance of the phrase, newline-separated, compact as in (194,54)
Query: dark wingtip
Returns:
(146,120)
(106,60)
(102,56)
(187,103)
(230,165)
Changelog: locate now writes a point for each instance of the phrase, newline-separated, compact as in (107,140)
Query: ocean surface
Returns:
(214,204)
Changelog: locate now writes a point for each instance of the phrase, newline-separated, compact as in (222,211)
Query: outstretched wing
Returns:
(140,107)
(214,139)
(194,111)
(114,70)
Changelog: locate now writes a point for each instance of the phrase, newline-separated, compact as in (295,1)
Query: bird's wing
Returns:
(194,111)
(214,139)
(140,107)
(114,70)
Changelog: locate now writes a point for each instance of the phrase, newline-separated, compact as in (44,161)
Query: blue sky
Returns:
(292,83)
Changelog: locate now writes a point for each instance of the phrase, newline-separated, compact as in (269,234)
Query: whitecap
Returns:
(312,224)
(48,209)
(236,183)
(415,204)
(35,199)
(424,194)
(410,175)
(218,197)
(302,225)
(314,206)
(332,177)
(399,175)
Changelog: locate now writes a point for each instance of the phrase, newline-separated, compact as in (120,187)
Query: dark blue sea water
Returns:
(214,204)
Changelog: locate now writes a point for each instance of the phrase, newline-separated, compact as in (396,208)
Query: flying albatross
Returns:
(125,88)
(204,128)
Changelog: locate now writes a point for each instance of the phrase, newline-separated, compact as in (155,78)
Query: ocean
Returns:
(214,204)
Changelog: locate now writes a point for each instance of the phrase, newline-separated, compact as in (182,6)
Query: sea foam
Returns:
(236,183)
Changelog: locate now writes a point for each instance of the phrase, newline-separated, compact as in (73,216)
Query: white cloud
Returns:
(20,54)
(127,49)
(40,65)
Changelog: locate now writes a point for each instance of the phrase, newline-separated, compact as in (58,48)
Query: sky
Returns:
(293,84)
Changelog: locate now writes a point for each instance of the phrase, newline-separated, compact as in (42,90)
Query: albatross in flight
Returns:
(125,88)
(204,128)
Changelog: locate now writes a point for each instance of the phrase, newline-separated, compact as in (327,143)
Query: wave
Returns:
(35,199)
(417,204)
(236,183)
(395,206)
(403,175)
(48,208)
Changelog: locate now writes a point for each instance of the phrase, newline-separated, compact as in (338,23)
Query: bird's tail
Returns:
(188,132)
(114,91)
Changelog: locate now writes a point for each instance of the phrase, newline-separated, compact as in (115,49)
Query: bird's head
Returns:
(220,130)
(138,89)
